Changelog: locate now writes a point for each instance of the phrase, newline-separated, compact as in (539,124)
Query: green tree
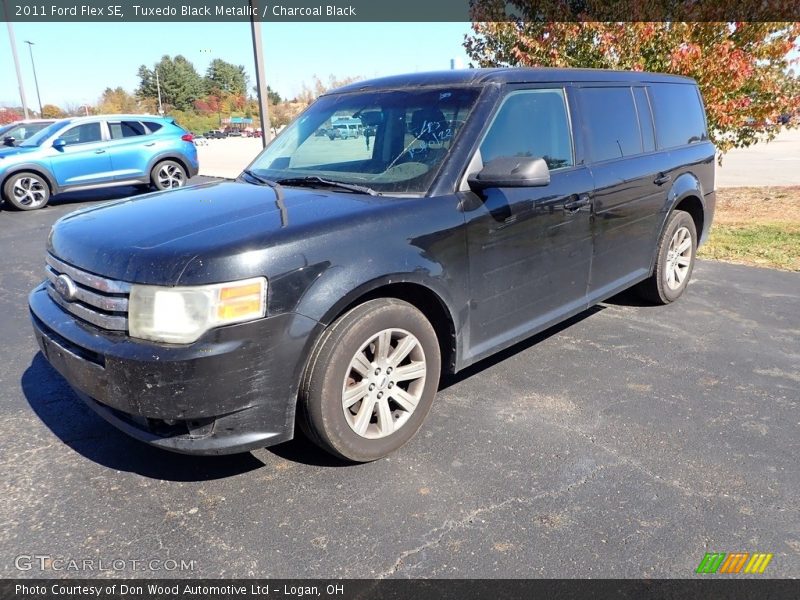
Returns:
(273,97)
(180,83)
(226,77)
(741,68)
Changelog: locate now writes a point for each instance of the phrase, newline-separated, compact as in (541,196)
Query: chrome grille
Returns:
(97,300)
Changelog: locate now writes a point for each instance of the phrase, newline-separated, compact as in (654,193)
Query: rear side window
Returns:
(152,126)
(125,129)
(611,122)
(531,123)
(678,114)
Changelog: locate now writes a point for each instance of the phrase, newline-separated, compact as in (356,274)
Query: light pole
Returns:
(13,41)
(158,87)
(35,80)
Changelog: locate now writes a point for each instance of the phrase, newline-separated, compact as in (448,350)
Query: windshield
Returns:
(408,136)
(37,138)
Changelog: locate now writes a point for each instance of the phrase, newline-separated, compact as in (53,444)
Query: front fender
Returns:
(340,286)
(43,170)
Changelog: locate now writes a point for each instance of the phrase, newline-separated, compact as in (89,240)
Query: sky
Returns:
(75,62)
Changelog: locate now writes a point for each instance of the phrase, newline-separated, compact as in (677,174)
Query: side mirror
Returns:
(9,141)
(59,144)
(517,171)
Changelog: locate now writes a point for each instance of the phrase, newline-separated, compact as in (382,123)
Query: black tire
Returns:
(322,414)
(26,191)
(663,287)
(168,174)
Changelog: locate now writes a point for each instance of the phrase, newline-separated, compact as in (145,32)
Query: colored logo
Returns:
(734,562)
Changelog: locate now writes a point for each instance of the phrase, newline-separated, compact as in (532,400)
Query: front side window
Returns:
(82,134)
(125,129)
(532,123)
(410,134)
(612,123)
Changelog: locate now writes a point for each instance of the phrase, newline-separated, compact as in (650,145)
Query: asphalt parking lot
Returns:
(625,443)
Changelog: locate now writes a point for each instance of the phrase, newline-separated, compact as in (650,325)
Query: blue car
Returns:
(96,152)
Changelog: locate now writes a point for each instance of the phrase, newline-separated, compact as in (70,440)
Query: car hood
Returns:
(8,151)
(152,239)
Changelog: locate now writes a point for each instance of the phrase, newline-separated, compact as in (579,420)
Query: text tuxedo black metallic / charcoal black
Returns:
(336,279)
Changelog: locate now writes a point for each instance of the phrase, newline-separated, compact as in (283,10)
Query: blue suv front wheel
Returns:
(26,191)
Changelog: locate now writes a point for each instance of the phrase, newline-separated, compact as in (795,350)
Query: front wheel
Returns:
(26,191)
(371,380)
(674,261)
(168,174)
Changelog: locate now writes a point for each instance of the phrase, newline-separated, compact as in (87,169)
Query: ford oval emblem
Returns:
(65,287)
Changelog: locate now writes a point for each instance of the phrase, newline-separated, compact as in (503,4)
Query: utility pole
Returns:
(16,61)
(261,81)
(35,79)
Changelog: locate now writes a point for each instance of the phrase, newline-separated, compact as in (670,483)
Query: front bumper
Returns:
(233,390)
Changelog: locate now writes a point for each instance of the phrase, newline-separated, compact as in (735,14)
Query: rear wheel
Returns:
(26,191)
(674,262)
(168,174)
(371,380)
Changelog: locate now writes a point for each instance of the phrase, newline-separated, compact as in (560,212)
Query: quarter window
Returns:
(125,129)
(611,121)
(82,134)
(678,114)
(532,123)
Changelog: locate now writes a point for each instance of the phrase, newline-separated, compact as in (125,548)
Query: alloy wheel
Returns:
(29,192)
(171,176)
(679,258)
(384,383)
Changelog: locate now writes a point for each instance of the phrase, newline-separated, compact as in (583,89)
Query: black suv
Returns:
(331,286)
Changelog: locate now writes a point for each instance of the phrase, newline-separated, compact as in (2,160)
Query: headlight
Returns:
(180,315)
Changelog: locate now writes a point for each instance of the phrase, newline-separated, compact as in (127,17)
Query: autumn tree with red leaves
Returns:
(742,68)
(9,115)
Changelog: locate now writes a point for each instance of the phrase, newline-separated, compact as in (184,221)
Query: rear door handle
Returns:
(99,151)
(151,144)
(662,179)
(577,204)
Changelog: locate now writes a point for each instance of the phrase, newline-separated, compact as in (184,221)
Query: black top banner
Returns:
(399,589)
(148,11)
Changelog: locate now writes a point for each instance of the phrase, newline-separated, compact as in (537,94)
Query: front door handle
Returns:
(99,151)
(578,203)
(662,179)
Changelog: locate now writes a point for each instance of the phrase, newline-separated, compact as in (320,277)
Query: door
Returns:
(529,248)
(630,192)
(84,160)
(130,149)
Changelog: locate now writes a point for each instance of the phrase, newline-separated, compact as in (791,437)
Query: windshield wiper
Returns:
(276,187)
(314,180)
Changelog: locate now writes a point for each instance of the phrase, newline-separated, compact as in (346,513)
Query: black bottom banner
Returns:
(397,589)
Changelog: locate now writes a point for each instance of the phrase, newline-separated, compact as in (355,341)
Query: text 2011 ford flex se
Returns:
(334,282)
